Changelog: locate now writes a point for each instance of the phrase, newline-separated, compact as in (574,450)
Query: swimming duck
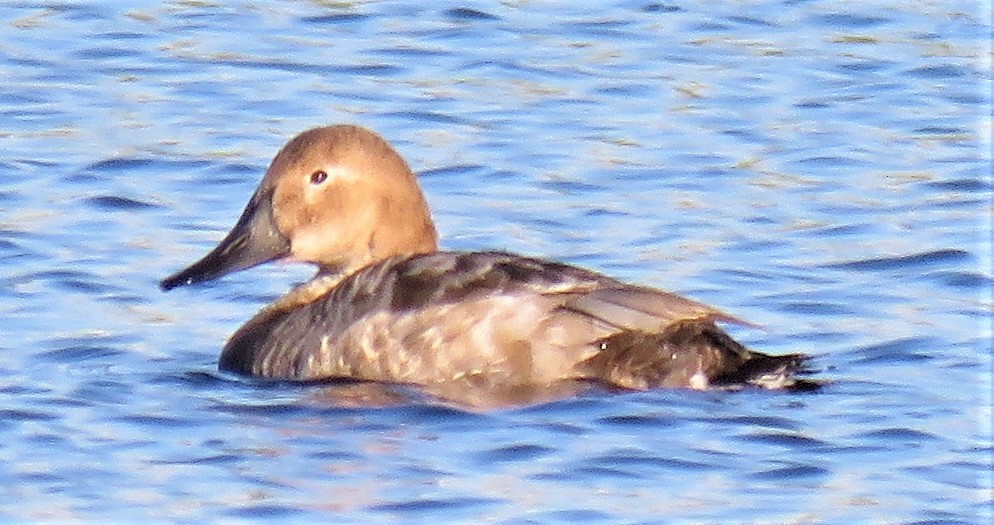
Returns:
(386,305)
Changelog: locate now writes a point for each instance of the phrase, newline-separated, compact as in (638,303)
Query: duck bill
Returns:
(254,240)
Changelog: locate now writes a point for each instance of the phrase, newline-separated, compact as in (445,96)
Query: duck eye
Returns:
(318,177)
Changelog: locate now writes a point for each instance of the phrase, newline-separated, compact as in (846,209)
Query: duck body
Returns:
(387,306)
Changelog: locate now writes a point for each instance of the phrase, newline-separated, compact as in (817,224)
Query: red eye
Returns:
(318,177)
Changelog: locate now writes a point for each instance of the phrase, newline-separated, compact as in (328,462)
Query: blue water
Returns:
(819,168)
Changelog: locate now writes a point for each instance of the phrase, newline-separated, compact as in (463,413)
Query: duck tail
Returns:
(693,354)
(772,372)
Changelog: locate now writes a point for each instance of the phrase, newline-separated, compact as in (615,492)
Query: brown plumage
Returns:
(387,306)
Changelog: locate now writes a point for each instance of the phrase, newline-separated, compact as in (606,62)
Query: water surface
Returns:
(821,169)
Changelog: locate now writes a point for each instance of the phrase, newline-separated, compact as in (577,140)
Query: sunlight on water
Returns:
(822,170)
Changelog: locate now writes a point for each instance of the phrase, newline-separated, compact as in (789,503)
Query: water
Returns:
(821,169)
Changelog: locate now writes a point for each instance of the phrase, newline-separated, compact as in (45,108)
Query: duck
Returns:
(386,305)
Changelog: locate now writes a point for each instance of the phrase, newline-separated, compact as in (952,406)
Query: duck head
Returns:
(339,197)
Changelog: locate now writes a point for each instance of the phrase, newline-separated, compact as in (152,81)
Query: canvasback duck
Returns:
(387,306)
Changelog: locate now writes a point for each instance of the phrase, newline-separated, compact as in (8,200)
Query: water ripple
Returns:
(469,14)
(434,507)
(904,262)
(514,453)
(905,350)
(820,172)
(793,472)
(117,203)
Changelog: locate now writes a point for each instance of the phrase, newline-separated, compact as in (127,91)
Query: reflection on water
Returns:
(820,170)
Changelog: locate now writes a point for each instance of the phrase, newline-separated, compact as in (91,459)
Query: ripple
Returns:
(334,18)
(434,413)
(469,14)
(762,421)
(103,391)
(80,352)
(793,441)
(453,171)
(970,185)
(96,53)
(850,21)
(939,130)
(637,421)
(904,350)
(212,460)
(591,471)
(960,279)
(816,308)
(159,422)
(659,7)
(7,414)
(939,72)
(100,170)
(899,434)
(793,472)
(427,116)
(123,164)
(116,203)
(266,511)
(829,161)
(256,410)
(72,281)
(865,66)
(513,453)
(435,508)
(905,262)
(639,463)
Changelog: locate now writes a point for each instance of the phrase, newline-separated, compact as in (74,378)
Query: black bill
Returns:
(255,239)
